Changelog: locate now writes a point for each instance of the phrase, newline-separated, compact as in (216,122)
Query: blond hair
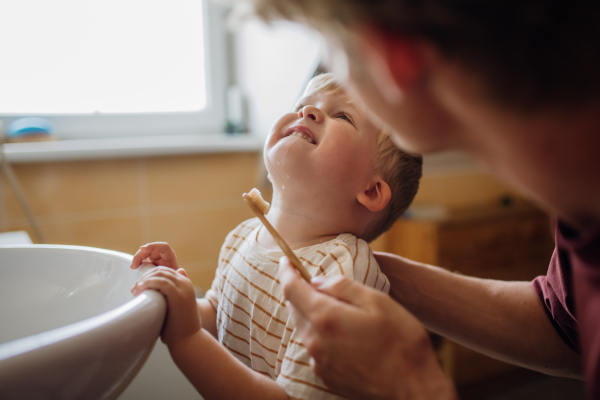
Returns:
(401,171)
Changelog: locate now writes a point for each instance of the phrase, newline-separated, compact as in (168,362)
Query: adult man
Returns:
(515,84)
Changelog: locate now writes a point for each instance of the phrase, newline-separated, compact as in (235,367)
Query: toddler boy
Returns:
(338,183)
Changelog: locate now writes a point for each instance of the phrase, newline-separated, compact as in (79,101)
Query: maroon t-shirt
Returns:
(570,295)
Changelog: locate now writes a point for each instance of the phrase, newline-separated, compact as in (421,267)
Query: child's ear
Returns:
(394,61)
(376,197)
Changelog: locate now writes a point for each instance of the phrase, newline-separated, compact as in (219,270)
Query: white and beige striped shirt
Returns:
(252,320)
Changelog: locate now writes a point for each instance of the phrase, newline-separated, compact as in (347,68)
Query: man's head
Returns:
(409,61)
(514,83)
(329,160)
(529,53)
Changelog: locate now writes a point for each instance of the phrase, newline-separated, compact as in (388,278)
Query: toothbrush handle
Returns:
(286,249)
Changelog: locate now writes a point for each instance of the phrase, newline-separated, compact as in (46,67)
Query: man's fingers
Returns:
(295,289)
(316,314)
(344,289)
(301,323)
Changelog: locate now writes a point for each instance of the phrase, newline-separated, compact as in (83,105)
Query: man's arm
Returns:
(501,319)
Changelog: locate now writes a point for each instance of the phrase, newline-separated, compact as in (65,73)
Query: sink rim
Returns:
(143,315)
(29,343)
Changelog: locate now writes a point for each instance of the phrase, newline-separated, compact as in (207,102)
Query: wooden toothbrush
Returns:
(260,207)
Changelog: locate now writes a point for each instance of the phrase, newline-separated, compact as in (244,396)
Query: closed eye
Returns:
(344,116)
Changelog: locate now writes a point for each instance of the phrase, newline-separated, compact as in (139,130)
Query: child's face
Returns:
(335,160)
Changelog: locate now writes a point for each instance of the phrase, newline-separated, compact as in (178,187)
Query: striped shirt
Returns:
(252,320)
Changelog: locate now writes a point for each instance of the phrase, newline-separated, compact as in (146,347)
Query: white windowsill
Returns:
(88,149)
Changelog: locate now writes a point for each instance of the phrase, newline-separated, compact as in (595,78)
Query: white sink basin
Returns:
(69,326)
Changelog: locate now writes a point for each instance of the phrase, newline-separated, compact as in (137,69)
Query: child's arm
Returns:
(208,316)
(213,371)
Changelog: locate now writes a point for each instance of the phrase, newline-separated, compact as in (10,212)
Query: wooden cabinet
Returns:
(506,242)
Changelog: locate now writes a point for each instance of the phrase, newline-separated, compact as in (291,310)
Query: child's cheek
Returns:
(343,160)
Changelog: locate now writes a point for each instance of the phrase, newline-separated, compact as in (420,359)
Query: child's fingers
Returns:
(164,272)
(160,250)
(182,272)
(158,253)
(139,257)
(161,284)
(158,274)
(147,251)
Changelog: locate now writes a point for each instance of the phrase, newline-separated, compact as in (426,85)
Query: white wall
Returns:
(274,63)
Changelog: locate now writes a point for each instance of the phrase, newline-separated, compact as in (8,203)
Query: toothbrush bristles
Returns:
(258,201)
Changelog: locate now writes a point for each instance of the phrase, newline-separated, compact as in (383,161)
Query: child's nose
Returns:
(311,112)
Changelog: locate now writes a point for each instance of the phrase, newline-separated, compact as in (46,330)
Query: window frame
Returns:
(209,120)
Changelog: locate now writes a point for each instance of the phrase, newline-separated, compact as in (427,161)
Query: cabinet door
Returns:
(511,248)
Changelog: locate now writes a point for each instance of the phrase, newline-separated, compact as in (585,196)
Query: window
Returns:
(108,68)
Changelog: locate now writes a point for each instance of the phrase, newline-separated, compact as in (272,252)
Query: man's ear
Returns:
(393,60)
(376,197)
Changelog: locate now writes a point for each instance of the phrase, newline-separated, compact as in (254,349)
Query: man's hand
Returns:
(182,319)
(157,253)
(361,342)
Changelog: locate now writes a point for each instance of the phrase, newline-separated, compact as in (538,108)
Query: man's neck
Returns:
(551,156)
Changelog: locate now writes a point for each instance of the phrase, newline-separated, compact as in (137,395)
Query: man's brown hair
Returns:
(400,170)
(529,53)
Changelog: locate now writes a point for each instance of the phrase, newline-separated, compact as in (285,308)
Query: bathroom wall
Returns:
(190,201)
(272,66)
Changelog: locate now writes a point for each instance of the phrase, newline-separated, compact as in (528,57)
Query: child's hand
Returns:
(157,253)
(182,312)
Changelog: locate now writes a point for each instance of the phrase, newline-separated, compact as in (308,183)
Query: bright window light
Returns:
(102,57)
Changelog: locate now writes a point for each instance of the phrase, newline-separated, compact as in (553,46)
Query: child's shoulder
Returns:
(353,246)
(352,257)
(249,225)
(244,228)
(239,233)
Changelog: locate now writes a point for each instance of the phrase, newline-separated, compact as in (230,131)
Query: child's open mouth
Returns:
(301,132)
(303,136)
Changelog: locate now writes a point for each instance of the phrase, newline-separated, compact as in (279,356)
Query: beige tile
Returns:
(197,235)
(113,234)
(429,192)
(66,187)
(201,177)
(473,190)
(461,190)
(201,273)
(379,244)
